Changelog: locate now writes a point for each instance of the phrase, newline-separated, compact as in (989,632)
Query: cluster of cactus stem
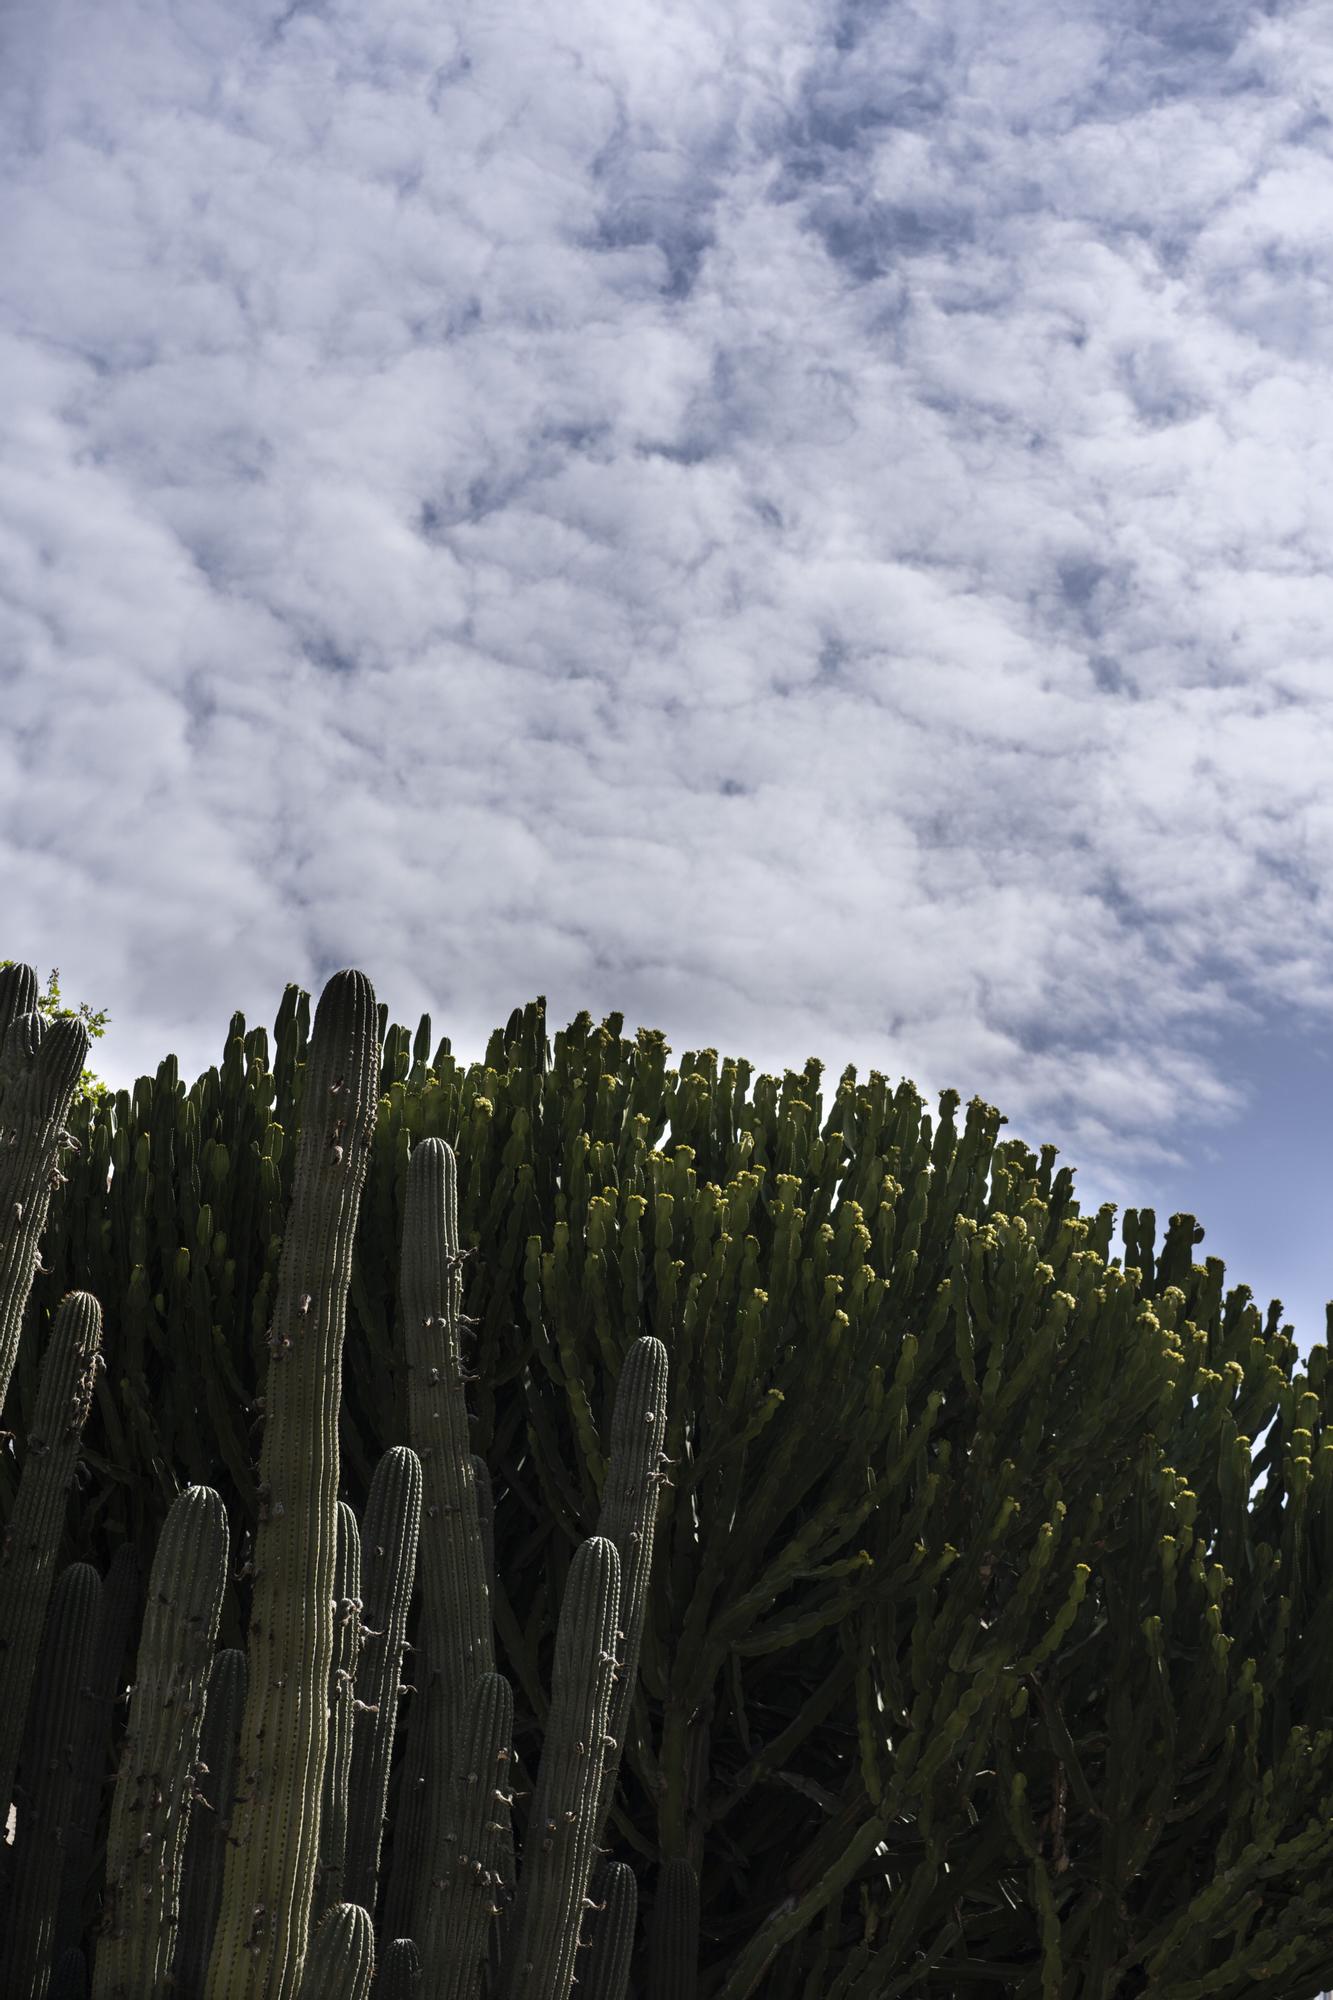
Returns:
(268,1888)
(974,1645)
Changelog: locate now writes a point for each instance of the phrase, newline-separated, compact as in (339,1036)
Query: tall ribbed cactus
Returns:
(341,1962)
(40,1067)
(32,1538)
(268,1889)
(342,1714)
(159,1762)
(210,1818)
(543,1935)
(389,1536)
(455,1645)
(66,1657)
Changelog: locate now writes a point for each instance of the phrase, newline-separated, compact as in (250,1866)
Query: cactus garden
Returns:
(571,1522)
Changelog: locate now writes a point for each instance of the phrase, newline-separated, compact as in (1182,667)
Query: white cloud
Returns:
(805,524)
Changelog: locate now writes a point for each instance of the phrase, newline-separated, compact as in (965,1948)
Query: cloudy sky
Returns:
(806,523)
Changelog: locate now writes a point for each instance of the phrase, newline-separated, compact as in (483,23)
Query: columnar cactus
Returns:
(210,1818)
(341,1961)
(389,1535)
(159,1762)
(117,1626)
(268,1890)
(32,1538)
(40,1067)
(611,1946)
(455,1645)
(342,1713)
(543,1935)
(50,1774)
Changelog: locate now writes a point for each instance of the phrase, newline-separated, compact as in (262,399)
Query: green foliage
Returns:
(91,1088)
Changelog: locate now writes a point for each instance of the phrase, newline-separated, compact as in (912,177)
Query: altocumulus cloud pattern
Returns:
(806,523)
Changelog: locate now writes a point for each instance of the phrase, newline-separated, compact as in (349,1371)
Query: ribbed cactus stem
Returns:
(341,1961)
(455,1643)
(558,1849)
(629,1516)
(389,1535)
(611,1948)
(210,1818)
(118,1622)
(398,1974)
(673,1947)
(32,1538)
(465,1900)
(150,1810)
(50,1775)
(269,1886)
(342,1713)
(40,1067)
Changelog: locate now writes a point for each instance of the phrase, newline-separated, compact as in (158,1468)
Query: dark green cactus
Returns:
(629,1518)
(673,1948)
(467,1889)
(342,1713)
(268,1890)
(341,1962)
(455,1643)
(40,1067)
(210,1818)
(398,1973)
(69,1981)
(543,1934)
(159,1762)
(49,1775)
(32,1537)
(117,1630)
(611,1946)
(389,1537)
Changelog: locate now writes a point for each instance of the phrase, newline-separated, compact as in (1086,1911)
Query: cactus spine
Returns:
(269,1885)
(32,1539)
(151,1806)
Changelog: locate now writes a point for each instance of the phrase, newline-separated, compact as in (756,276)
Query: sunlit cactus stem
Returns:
(268,1889)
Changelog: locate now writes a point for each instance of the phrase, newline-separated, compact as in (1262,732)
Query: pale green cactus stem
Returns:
(341,1961)
(268,1889)
(210,1818)
(611,1949)
(50,1773)
(32,1538)
(455,1644)
(465,1900)
(40,1067)
(342,1713)
(390,1531)
(543,1936)
(155,1787)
